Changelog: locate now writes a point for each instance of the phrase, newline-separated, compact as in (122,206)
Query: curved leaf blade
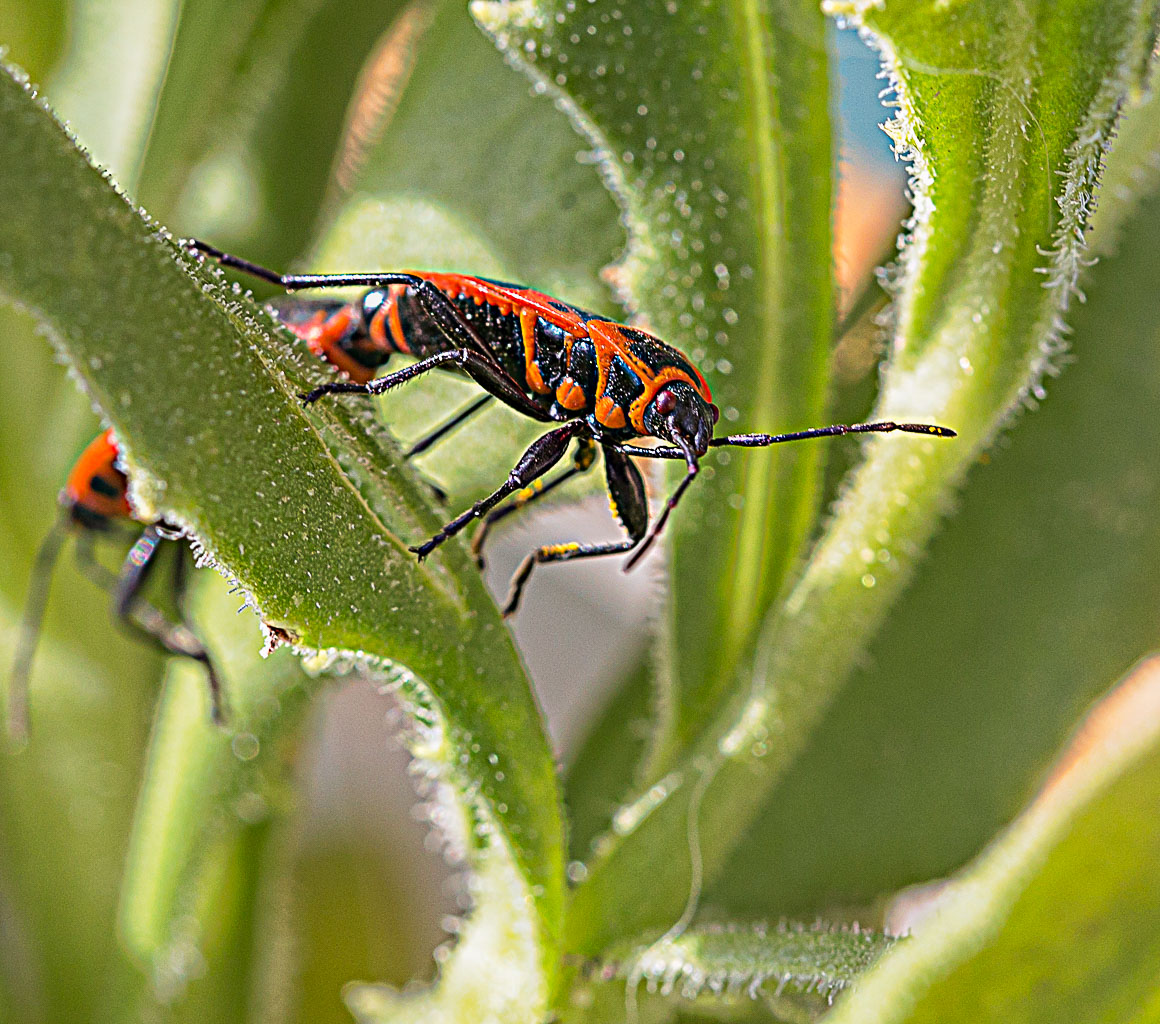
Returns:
(226,450)
(1041,588)
(1044,924)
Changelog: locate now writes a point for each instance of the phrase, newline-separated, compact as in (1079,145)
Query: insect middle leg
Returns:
(629,504)
(141,616)
(541,456)
(582,461)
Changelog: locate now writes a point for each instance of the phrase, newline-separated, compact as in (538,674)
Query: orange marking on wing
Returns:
(398,337)
(322,335)
(99,459)
(609,413)
(508,299)
(528,320)
(570,395)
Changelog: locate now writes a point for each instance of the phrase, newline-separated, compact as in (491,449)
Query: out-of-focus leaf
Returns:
(33,34)
(111,76)
(1059,919)
(67,798)
(248,164)
(978,321)
(711,125)
(1041,586)
(225,449)
(207,792)
(607,764)
(487,978)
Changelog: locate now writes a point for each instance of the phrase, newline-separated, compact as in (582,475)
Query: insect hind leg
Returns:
(149,623)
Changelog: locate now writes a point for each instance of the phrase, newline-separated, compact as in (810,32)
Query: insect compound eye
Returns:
(714,412)
(666,402)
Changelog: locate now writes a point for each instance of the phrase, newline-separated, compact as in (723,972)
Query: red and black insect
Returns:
(605,383)
(94,502)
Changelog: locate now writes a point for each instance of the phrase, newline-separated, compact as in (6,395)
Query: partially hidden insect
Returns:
(94,502)
(603,382)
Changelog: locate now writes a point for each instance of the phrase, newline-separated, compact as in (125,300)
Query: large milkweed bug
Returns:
(605,383)
(95,502)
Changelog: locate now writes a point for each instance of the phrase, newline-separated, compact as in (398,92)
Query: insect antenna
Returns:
(659,524)
(34,610)
(883,427)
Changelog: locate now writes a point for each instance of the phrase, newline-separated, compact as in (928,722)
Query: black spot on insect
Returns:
(551,352)
(582,366)
(623,386)
(102,486)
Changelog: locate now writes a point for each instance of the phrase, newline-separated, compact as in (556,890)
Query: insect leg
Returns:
(765,440)
(443,313)
(629,504)
(496,383)
(446,427)
(173,637)
(34,609)
(659,524)
(541,456)
(581,462)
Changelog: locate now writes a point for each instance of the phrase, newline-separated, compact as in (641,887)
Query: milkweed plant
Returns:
(888,750)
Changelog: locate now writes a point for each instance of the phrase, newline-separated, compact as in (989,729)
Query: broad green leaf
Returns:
(1042,586)
(225,449)
(1059,918)
(1004,164)
(711,125)
(108,85)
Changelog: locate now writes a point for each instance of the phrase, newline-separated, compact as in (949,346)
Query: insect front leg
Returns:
(541,456)
(629,502)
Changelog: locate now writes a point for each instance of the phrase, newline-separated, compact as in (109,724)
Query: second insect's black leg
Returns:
(629,504)
(173,637)
(541,456)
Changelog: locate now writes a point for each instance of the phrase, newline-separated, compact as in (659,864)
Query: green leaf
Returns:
(714,961)
(977,324)
(492,972)
(712,131)
(225,450)
(204,787)
(608,762)
(1041,588)
(108,86)
(251,116)
(1059,918)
